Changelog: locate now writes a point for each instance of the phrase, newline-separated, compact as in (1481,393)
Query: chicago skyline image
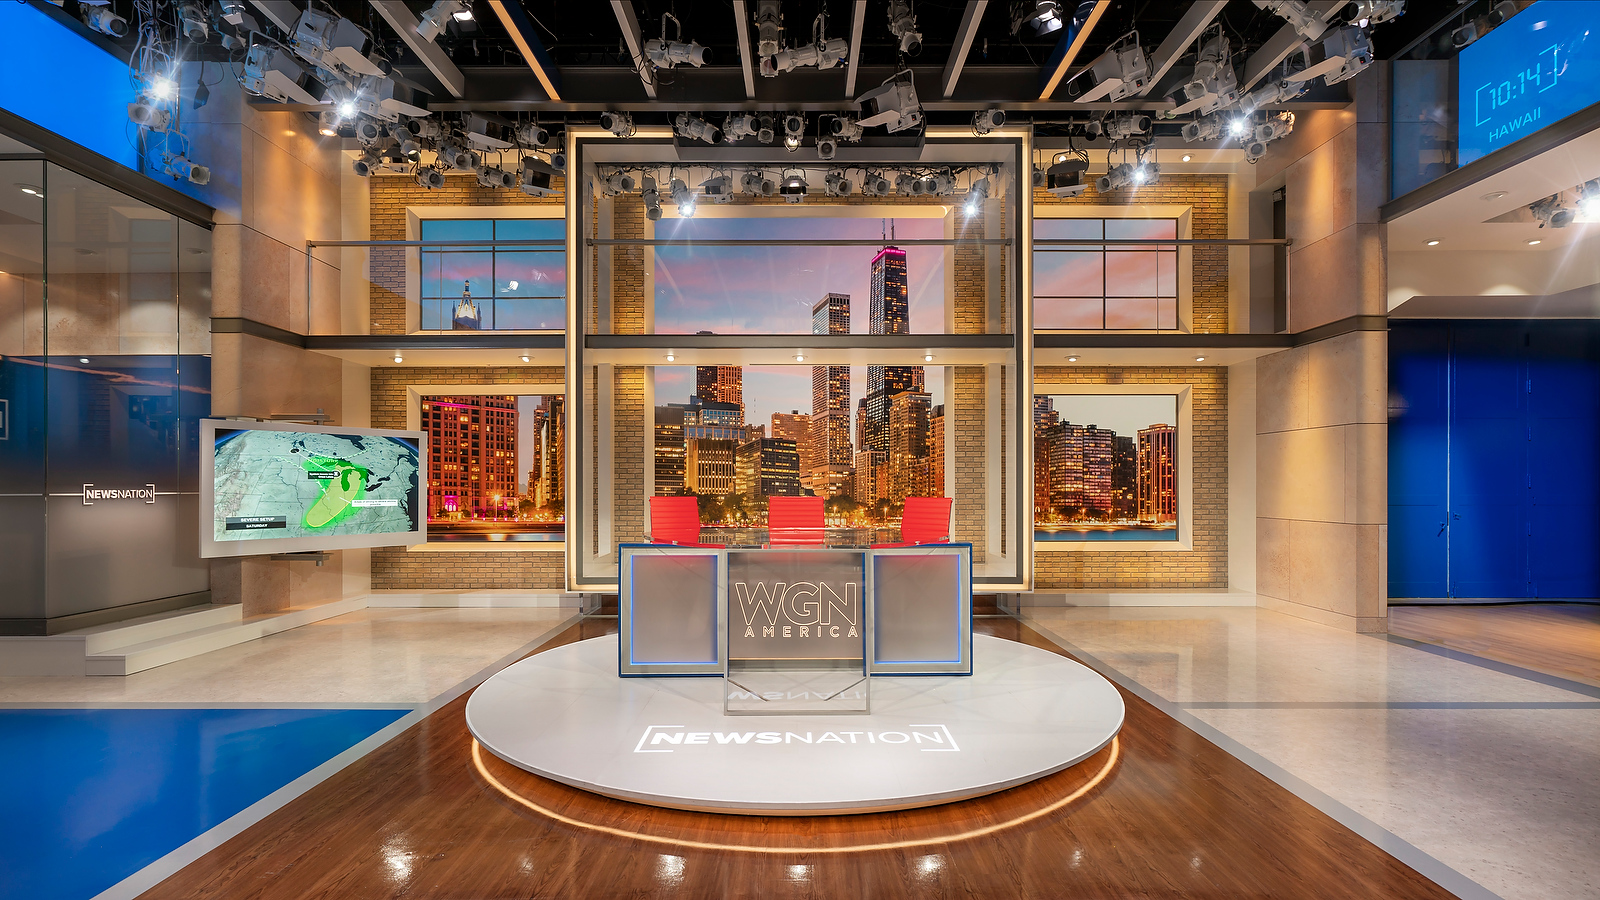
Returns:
(1105,467)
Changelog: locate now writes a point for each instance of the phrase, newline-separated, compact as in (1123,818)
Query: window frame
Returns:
(416,215)
(1180,213)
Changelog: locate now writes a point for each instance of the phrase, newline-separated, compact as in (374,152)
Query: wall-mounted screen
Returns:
(282,488)
(1542,65)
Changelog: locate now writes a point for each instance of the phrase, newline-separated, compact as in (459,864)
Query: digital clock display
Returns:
(1539,67)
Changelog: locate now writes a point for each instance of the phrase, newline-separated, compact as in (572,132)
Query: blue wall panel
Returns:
(1494,459)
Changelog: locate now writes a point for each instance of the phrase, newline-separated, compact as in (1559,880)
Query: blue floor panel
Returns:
(92,796)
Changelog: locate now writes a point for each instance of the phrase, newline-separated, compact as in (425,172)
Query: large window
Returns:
(1109,287)
(493,288)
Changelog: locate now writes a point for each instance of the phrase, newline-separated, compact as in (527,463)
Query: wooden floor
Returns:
(1174,817)
(1555,638)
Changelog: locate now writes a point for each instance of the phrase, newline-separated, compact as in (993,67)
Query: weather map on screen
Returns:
(271,484)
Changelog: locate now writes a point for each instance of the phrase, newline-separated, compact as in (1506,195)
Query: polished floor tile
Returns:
(1561,639)
(371,656)
(1497,776)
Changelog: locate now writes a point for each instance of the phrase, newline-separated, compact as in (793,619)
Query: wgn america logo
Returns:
(669,738)
(802,609)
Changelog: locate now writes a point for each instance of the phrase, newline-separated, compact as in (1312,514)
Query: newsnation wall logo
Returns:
(669,738)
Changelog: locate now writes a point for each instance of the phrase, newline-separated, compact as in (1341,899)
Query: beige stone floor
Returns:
(374,656)
(1494,775)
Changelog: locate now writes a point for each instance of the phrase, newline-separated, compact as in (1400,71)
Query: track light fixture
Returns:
(794,129)
(846,128)
(907,184)
(103,20)
(368,163)
(1040,17)
(1277,126)
(536,178)
(1127,125)
(453,155)
(1120,72)
(939,184)
(740,125)
(1214,84)
(180,167)
(1205,128)
(1065,178)
(327,124)
(682,198)
(892,104)
(903,25)
(696,129)
(146,114)
(651,198)
(766,129)
(491,177)
(668,54)
(826,147)
(430,178)
(433,22)
(718,189)
(876,186)
(532,135)
(1589,200)
(619,124)
(837,185)
(1553,212)
(987,120)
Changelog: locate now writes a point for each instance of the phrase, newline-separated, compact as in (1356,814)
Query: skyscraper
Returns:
(1158,482)
(889,313)
(669,450)
(767,467)
(908,444)
(547,470)
(722,383)
(708,466)
(795,426)
(1097,444)
(825,458)
(936,487)
(472,454)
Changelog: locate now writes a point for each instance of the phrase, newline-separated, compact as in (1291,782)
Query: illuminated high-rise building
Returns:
(669,450)
(908,444)
(708,466)
(936,486)
(889,313)
(1098,450)
(546,469)
(825,458)
(1158,480)
(767,467)
(472,455)
(721,383)
(795,426)
(870,482)
(1125,478)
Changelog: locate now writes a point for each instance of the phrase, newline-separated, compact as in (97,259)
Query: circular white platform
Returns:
(566,715)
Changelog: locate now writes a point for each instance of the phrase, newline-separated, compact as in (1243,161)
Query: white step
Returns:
(129,659)
(103,638)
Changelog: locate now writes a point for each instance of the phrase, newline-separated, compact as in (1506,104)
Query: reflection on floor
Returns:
(1495,776)
(1173,817)
(1561,639)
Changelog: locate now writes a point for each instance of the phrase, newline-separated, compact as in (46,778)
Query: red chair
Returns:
(675,520)
(926,520)
(795,521)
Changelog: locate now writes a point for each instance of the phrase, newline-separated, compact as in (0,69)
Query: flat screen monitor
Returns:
(269,487)
(1542,65)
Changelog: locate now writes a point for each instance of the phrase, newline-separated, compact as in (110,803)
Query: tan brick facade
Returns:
(395,568)
(1206,566)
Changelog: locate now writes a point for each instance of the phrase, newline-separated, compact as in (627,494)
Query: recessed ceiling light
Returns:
(799,357)
(670,357)
(32,189)
(1533,243)
(84,360)
(1433,243)
(1494,195)
(1072,359)
(399,358)
(524,357)
(1199,359)
(927,357)
(1187,157)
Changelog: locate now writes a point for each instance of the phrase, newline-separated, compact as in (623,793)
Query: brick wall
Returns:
(395,568)
(1207,197)
(1204,567)
(391,195)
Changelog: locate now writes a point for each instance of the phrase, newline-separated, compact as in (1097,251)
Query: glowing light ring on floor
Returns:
(1111,762)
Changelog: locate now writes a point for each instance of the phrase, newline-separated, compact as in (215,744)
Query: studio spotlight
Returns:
(1552,212)
(941,183)
(618,123)
(1206,128)
(907,184)
(1280,91)
(536,178)
(718,189)
(757,184)
(1118,176)
(665,54)
(1120,72)
(1127,125)
(270,72)
(903,25)
(740,125)
(617,183)
(892,104)
(824,54)
(1038,16)
(491,177)
(454,156)
(1239,127)
(826,147)
(368,163)
(1589,200)
(146,114)
(1278,126)
(1066,177)
(794,129)
(1306,21)
(837,185)
(1214,84)
(1145,173)
(696,129)
(103,20)
(846,128)
(1340,56)
(876,186)
(433,22)
(176,165)
(558,160)
(976,195)
(196,24)
(368,131)
(766,129)
(793,188)
(430,178)
(987,120)
(682,198)
(328,123)
(532,135)
(651,198)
